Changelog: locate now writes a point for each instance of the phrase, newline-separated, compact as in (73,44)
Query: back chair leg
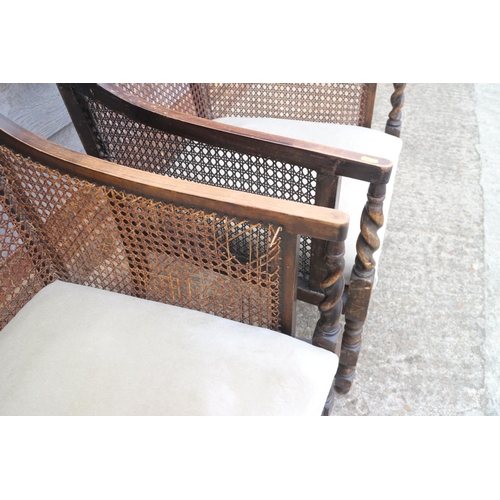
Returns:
(393,125)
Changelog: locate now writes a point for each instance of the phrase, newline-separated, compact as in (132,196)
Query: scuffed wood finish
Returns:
(328,331)
(360,287)
(393,126)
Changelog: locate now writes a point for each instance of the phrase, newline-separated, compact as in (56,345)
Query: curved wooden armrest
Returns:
(315,221)
(353,164)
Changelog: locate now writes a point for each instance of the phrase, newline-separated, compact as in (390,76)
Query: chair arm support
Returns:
(372,219)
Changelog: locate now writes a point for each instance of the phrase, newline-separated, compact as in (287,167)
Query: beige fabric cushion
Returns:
(353,192)
(76,350)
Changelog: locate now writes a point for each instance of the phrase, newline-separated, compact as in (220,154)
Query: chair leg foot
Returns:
(351,345)
(342,390)
(344,379)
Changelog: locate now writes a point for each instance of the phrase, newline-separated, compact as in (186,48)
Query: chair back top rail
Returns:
(306,154)
(301,219)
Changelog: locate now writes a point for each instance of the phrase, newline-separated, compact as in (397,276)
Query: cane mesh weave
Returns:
(101,237)
(24,265)
(183,97)
(142,147)
(344,103)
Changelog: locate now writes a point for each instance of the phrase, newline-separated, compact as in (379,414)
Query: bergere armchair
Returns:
(123,292)
(308,143)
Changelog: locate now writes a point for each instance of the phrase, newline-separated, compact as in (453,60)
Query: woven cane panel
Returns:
(183,97)
(24,266)
(74,223)
(108,239)
(145,148)
(315,102)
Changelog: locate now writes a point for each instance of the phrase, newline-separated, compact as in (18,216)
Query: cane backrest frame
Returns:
(184,146)
(49,203)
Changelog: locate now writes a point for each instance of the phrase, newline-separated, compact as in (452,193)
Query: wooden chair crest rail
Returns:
(124,292)
(308,143)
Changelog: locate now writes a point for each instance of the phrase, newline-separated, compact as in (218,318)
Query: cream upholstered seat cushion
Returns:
(353,192)
(76,350)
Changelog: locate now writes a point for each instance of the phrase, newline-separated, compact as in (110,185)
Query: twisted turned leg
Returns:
(393,125)
(360,287)
(328,331)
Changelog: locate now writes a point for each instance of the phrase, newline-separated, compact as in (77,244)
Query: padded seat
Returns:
(347,137)
(77,350)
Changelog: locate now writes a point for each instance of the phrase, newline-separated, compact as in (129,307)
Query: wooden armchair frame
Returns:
(41,180)
(184,115)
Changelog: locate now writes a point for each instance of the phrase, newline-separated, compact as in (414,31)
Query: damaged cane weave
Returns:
(126,142)
(116,241)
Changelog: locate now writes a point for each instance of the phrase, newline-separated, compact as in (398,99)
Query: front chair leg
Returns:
(328,331)
(360,287)
(358,299)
